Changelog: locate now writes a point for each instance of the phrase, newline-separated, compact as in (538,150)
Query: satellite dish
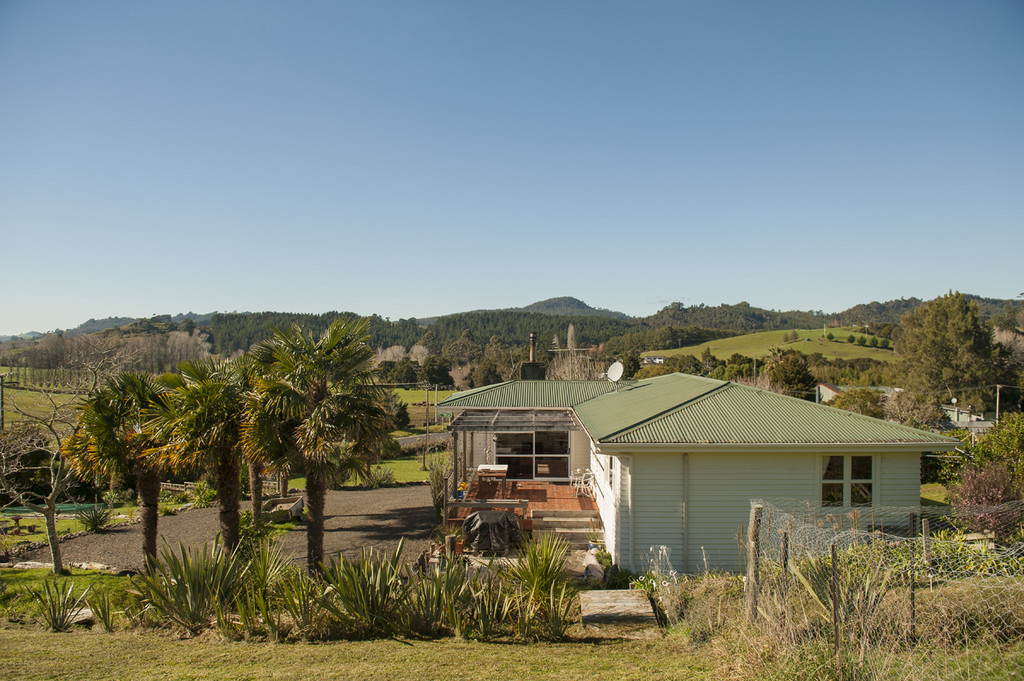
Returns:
(615,372)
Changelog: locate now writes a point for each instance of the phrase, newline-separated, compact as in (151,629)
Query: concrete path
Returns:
(620,613)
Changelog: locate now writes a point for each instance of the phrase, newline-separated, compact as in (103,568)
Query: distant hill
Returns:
(96,325)
(568,306)
(809,341)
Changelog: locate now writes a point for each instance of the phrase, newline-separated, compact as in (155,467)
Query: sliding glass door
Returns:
(542,455)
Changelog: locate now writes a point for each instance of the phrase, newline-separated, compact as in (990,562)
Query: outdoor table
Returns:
(492,471)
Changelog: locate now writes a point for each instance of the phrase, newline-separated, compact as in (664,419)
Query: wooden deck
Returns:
(542,496)
(539,496)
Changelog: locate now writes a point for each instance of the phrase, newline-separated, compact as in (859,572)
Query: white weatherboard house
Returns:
(678,458)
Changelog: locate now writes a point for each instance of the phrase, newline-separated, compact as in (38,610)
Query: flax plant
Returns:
(186,587)
(58,605)
(371,590)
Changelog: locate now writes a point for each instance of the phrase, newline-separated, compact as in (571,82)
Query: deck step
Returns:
(583,524)
(575,539)
(556,513)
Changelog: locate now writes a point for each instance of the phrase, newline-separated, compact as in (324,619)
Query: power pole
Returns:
(3,405)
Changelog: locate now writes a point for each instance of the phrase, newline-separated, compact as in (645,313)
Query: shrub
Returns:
(94,518)
(380,476)
(58,605)
(543,596)
(103,609)
(490,606)
(439,470)
(370,590)
(202,495)
(302,597)
(391,449)
(251,535)
(7,544)
(981,500)
(439,602)
(187,587)
(267,566)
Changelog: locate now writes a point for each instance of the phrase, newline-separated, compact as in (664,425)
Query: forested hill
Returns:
(574,307)
(237,331)
(742,317)
(233,331)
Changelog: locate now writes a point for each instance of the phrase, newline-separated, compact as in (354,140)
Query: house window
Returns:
(538,455)
(847,480)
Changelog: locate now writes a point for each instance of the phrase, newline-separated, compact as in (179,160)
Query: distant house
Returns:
(676,459)
(652,359)
(827,391)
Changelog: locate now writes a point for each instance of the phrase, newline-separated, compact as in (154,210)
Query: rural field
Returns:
(758,344)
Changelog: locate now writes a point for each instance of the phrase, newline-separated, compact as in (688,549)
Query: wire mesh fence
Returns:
(878,585)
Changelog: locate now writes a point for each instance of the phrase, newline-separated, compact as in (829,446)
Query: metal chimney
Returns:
(532,370)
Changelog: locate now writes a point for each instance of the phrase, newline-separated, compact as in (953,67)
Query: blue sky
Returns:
(418,158)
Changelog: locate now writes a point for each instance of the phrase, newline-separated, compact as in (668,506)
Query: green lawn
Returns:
(67,525)
(32,653)
(758,344)
(406,468)
(934,494)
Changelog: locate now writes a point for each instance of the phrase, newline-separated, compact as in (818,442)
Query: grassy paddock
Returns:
(31,653)
(759,343)
(31,401)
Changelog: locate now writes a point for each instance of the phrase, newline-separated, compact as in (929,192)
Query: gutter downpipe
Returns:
(632,512)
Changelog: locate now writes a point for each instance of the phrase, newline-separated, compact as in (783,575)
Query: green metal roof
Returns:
(685,409)
(529,394)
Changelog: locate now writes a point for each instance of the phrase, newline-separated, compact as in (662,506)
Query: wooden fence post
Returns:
(913,589)
(784,587)
(926,542)
(753,560)
(835,611)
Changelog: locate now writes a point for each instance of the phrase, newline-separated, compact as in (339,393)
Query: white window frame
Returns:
(847,481)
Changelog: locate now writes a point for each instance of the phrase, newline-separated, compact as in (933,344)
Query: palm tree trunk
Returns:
(316,495)
(229,492)
(149,498)
(282,481)
(256,490)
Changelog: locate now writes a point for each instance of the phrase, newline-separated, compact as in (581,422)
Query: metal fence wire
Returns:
(874,581)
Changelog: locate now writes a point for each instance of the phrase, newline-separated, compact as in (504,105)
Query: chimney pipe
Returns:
(533,345)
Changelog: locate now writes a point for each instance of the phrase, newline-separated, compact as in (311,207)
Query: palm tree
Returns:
(112,437)
(200,416)
(323,391)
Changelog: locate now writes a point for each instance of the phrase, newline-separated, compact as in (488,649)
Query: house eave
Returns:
(723,447)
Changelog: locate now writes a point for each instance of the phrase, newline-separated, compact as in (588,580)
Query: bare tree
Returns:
(96,357)
(573,365)
(418,353)
(389,354)
(33,472)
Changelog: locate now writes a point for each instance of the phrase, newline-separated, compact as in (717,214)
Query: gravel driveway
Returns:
(354,518)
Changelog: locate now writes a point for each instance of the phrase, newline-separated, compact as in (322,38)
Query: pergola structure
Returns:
(501,421)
